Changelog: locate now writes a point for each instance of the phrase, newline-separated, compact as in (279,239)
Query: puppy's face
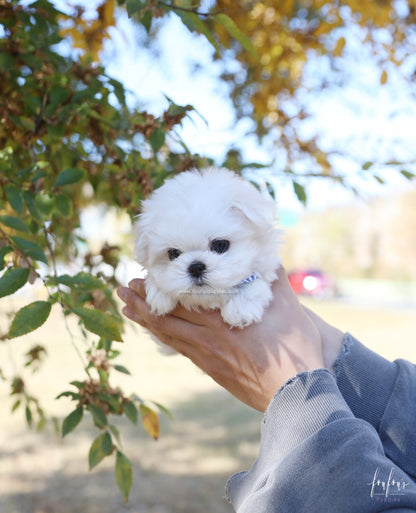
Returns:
(199,253)
(202,234)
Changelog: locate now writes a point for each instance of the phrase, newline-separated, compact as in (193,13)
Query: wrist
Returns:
(332,339)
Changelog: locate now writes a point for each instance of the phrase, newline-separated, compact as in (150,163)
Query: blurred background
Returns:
(312,101)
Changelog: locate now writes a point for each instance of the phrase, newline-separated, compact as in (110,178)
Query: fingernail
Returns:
(134,285)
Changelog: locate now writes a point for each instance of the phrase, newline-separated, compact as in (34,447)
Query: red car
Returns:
(312,283)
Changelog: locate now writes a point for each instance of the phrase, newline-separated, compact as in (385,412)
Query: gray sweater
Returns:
(342,442)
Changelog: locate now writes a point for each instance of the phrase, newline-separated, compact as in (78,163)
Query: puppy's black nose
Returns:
(196,269)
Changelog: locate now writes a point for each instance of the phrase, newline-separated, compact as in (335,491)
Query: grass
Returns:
(212,434)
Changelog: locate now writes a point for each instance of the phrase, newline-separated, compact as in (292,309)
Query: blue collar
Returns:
(249,279)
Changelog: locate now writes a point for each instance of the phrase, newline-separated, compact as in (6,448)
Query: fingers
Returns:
(202,318)
(138,286)
(173,330)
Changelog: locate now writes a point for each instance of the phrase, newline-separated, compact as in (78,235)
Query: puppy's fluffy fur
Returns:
(208,239)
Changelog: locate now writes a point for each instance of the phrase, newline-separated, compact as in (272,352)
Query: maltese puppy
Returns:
(208,239)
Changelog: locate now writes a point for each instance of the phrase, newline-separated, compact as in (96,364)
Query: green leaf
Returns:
(57,96)
(164,410)
(194,23)
(103,375)
(73,395)
(113,400)
(72,420)
(99,417)
(7,61)
(134,6)
(45,203)
(56,131)
(29,417)
(367,165)
(99,323)
(175,109)
(123,474)
(81,280)
(69,176)
(14,222)
(118,90)
(229,25)
(146,20)
(13,279)
(16,405)
(14,197)
(116,433)
(407,174)
(5,250)
(121,368)
(63,205)
(30,200)
(131,411)
(300,192)
(30,249)
(29,318)
(157,139)
(78,384)
(100,448)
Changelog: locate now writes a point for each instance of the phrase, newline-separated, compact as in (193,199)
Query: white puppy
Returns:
(208,239)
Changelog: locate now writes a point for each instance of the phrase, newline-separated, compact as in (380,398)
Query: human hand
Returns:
(251,363)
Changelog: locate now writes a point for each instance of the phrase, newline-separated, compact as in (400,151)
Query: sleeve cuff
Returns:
(300,408)
(303,406)
(365,380)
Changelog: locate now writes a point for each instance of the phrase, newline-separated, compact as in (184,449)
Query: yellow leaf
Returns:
(383,77)
(339,47)
(88,35)
(108,13)
(150,421)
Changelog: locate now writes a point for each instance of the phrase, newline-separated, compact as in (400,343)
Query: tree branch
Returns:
(185,9)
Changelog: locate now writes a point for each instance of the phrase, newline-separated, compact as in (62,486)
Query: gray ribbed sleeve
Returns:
(316,456)
(365,380)
(384,394)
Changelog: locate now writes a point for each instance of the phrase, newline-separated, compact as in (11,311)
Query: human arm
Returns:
(378,391)
(315,456)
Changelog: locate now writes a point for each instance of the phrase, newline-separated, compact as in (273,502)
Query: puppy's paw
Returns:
(248,305)
(159,302)
(234,315)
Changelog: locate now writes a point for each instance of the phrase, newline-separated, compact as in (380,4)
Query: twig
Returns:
(60,300)
(185,9)
(39,117)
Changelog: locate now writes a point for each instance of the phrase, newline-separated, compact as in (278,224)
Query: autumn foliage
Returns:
(69,139)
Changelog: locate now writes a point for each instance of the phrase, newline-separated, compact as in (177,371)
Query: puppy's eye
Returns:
(220,245)
(173,253)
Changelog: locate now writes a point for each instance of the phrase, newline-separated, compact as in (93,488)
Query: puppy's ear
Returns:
(142,240)
(258,208)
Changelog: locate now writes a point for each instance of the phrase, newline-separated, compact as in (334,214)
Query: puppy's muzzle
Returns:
(197,270)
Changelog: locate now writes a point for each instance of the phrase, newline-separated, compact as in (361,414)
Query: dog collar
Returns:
(249,279)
